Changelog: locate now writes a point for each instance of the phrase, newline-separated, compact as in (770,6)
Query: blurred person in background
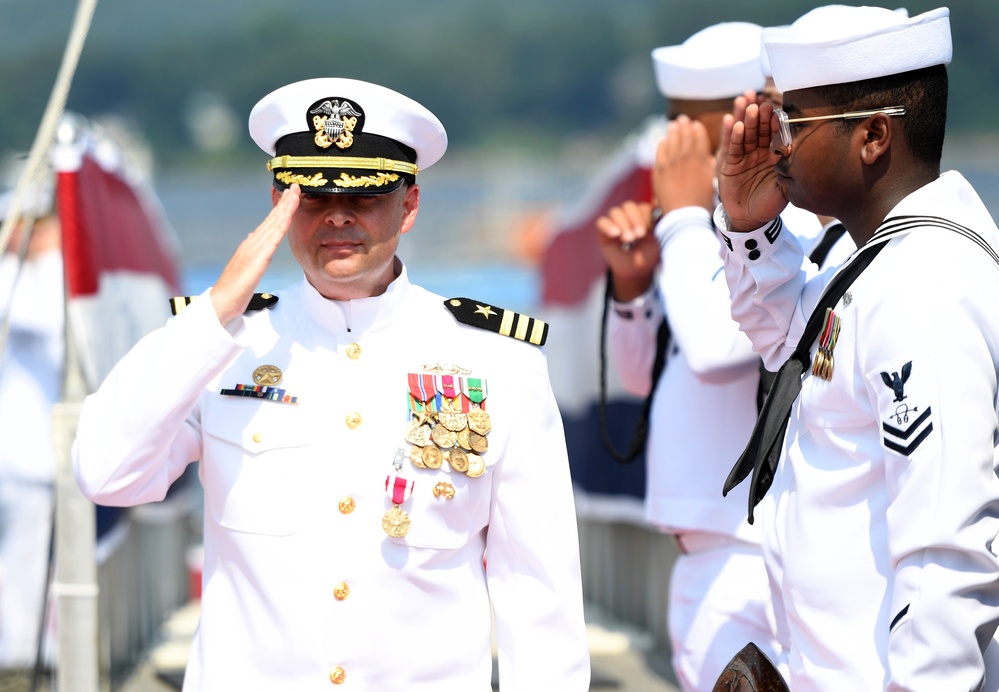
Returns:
(667,290)
(31,372)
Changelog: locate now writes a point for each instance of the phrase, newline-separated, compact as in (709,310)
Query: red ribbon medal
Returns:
(398,489)
(396,521)
(449,387)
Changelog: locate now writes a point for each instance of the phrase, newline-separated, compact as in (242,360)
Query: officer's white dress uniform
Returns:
(295,495)
(308,583)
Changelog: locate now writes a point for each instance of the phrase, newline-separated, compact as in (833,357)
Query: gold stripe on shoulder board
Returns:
(259,301)
(505,322)
(179,303)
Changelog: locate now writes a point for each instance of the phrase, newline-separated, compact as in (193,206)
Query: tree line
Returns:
(516,74)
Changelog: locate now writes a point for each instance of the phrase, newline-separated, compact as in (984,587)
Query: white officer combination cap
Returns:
(720,61)
(344,136)
(839,44)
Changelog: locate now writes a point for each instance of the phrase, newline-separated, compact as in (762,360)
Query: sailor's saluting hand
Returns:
(234,288)
(748,183)
(684,172)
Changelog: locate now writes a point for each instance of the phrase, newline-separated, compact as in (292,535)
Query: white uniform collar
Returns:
(361,315)
(942,187)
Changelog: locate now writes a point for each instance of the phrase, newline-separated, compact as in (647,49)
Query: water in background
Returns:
(466,241)
(463,242)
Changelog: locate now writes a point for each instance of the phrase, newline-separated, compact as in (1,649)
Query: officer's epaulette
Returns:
(259,301)
(505,322)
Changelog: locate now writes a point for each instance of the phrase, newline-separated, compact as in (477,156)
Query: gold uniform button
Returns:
(341,591)
(257,437)
(354,351)
(338,675)
(353,420)
(347,505)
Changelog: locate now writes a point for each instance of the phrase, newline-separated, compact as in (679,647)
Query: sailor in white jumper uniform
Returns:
(879,525)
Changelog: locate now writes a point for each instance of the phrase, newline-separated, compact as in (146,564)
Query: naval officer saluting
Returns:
(363,443)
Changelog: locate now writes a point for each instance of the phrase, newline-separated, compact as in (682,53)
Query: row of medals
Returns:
(454,437)
(449,436)
(822,366)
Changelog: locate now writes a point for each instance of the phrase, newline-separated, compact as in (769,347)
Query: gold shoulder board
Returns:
(259,301)
(505,322)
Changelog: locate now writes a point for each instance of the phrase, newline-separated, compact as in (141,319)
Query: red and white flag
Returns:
(120,255)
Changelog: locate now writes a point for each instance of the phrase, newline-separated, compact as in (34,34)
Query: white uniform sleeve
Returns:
(930,370)
(690,287)
(773,287)
(696,297)
(631,335)
(139,430)
(532,550)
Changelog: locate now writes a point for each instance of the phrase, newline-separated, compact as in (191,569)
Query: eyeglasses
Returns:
(784,122)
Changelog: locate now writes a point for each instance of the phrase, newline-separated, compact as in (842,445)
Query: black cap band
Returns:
(336,156)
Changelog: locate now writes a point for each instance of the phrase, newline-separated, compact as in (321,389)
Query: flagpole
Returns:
(75,586)
(35,168)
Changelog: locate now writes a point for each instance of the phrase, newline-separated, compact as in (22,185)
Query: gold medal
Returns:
(458,460)
(432,457)
(418,433)
(817,362)
(416,456)
(478,421)
(476,467)
(477,442)
(443,437)
(461,437)
(395,522)
(823,364)
(450,415)
(453,421)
